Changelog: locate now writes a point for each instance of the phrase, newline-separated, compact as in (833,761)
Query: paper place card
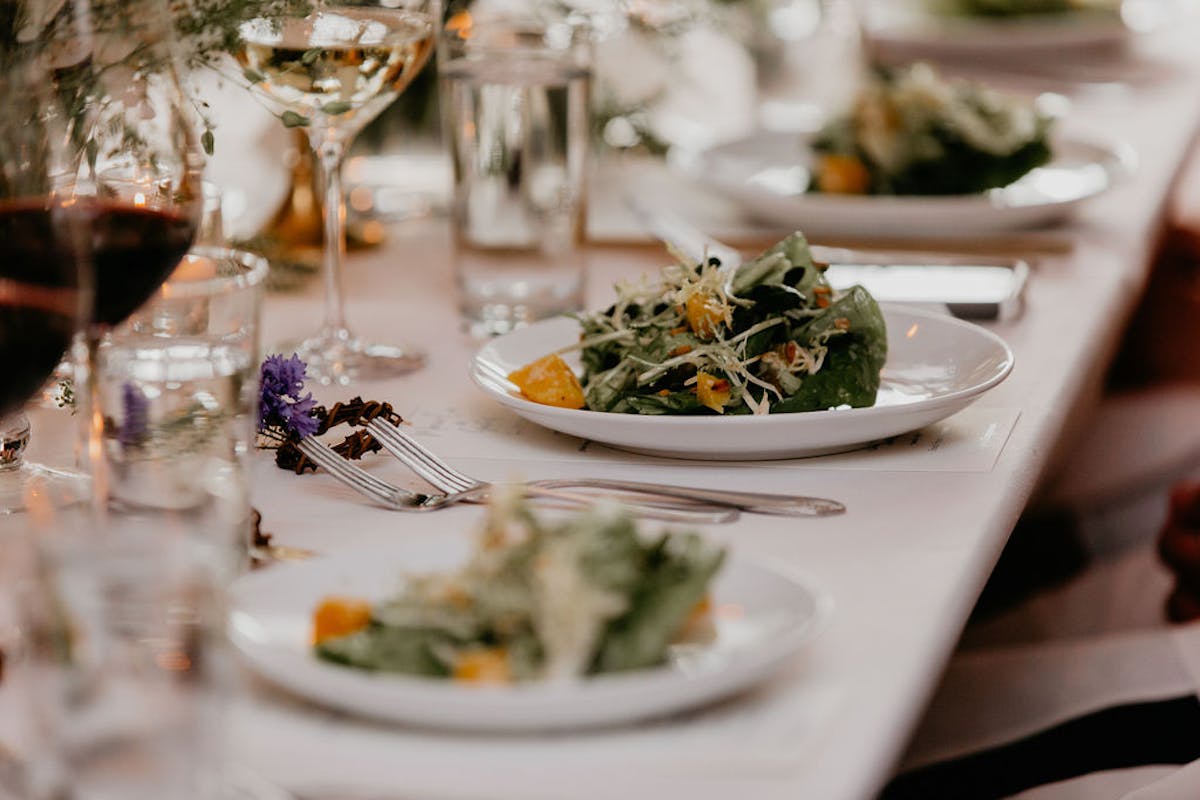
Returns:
(969,441)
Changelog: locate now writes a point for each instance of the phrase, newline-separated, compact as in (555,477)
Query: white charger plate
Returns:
(936,365)
(909,26)
(768,174)
(763,618)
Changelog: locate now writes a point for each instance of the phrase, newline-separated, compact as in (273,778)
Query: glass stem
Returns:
(92,414)
(330,152)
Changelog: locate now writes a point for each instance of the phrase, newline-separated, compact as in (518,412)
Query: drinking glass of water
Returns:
(122,662)
(178,386)
(515,99)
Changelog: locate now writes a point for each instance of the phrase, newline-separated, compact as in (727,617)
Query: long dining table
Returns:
(927,514)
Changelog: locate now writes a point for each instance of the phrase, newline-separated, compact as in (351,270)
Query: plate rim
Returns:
(489,384)
(750,667)
(1117,158)
(1073,29)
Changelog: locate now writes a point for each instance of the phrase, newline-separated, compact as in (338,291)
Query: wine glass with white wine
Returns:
(332,67)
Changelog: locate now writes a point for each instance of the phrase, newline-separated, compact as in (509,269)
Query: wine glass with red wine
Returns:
(138,179)
(122,197)
(43,301)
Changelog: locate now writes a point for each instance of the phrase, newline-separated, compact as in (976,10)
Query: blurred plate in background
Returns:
(769,174)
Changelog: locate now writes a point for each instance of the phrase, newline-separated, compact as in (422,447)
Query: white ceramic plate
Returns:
(768,174)
(763,618)
(936,365)
(908,26)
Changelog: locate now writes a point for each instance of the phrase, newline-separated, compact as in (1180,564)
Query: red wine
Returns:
(133,251)
(39,302)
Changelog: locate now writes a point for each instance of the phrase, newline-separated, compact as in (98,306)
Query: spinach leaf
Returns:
(683,402)
(675,581)
(385,649)
(850,375)
(783,287)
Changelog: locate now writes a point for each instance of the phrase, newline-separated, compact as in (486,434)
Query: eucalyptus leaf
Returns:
(291,119)
(336,107)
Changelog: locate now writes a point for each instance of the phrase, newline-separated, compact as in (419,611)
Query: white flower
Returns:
(631,69)
(711,96)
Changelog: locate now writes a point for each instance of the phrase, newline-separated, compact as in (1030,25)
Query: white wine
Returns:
(337,68)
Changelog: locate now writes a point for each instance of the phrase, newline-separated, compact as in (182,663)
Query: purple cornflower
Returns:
(135,420)
(280,404)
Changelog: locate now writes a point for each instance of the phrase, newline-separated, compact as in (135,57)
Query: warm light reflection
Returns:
(38,506)
(95,449)
(460,24)
(913,330)
(139,199)
(191,269)
(361,199)
(173,661)
(372,232)
(730,611)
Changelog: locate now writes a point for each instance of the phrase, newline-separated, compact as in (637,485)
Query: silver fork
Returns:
(446,478)
(398,499)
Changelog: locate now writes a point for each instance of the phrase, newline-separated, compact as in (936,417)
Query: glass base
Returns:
(494,304)
(60,488)
(335,356)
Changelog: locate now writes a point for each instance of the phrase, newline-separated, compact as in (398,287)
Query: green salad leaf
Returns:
(911,132)
(770,336)
(545,599)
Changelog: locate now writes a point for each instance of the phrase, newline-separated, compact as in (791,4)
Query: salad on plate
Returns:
(1023,8)
(913,132)
(767,337)
(538,599)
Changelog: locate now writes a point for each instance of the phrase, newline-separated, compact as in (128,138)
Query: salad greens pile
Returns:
(770,336)
(915,133)
(549,599)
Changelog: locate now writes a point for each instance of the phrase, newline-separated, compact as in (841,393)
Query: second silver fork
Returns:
(446,478)
(398,499)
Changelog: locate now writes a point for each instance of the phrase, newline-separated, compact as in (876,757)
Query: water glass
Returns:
(178,384)
(515,100)
(122,655)
(125,672)
(810,62)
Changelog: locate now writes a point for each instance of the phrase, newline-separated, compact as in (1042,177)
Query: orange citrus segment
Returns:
(704,314)
(712,391)
(483,665)
(339,616)
(842,175)
(549,381)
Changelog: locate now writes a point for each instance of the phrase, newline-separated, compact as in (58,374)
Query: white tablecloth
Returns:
(904,565)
